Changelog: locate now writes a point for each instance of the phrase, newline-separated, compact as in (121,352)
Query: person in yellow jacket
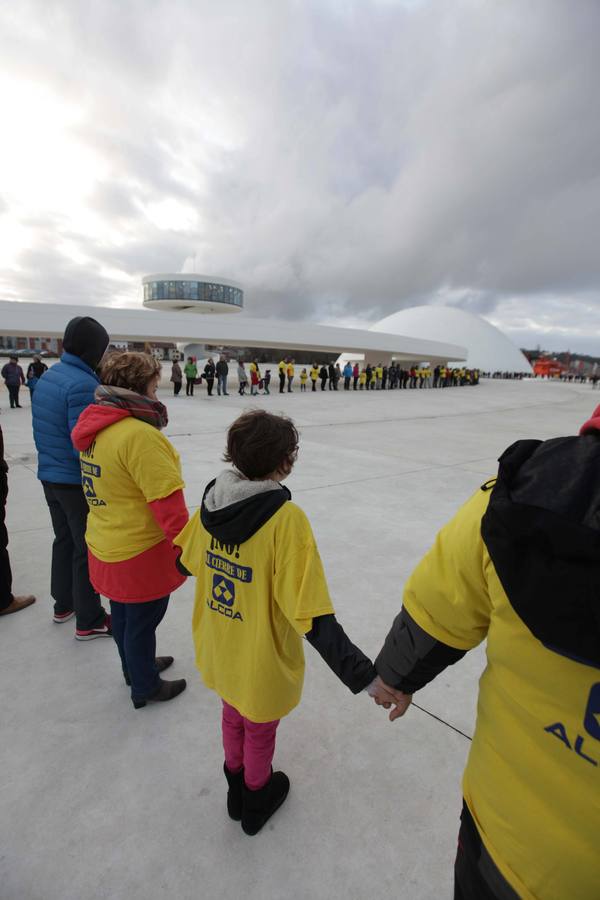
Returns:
(314,376)
(131,477)
(362,379)
(282,367)
(518,568)
(260,590)
(303,379)
(290,375)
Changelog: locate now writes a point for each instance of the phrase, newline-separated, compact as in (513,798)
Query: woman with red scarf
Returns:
(131,477)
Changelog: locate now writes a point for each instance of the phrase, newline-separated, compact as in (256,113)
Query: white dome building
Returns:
(488,349)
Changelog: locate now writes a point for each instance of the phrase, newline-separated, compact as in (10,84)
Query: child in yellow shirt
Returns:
(260,590)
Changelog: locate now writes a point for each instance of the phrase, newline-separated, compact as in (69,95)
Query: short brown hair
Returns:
(259,443)
(129,369)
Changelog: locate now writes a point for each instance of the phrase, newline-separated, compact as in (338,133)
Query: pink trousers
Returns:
(248,744)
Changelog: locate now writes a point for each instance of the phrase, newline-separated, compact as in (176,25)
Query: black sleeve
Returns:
(411,658)
(180,566)
(349,663)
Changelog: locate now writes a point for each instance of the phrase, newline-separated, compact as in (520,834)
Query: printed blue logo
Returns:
(591,721)
(88,486)
(223,590)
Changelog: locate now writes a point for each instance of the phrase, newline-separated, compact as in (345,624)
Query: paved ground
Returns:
(101,801)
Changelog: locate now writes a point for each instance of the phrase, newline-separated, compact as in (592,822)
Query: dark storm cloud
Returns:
(337,159)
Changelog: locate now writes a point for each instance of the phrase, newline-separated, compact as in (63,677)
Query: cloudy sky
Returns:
(342,159)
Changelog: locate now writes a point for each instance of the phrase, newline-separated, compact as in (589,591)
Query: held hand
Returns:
(386,696)
(381,693)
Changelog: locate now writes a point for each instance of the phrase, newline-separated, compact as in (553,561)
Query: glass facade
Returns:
(194,290)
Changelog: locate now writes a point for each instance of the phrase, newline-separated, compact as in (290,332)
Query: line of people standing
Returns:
(354,377)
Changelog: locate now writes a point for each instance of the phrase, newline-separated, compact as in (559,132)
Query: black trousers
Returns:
(13,394)
(6,597)
(189,387)
(134,630)
(323,383)
(176,387)
(70,581)
(314,384)
(209,385)
(476,877)
(355,382)
(281,382)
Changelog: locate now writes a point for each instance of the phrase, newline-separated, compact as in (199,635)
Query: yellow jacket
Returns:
(532,776)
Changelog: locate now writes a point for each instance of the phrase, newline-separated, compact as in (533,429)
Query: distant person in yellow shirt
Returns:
(314,375)
(303,379)
(290,375)
(282,367)
(260,590)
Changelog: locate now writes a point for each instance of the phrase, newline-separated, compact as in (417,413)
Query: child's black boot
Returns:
(234,794)
(259,806)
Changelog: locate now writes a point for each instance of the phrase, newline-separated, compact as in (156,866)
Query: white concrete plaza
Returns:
(102,801)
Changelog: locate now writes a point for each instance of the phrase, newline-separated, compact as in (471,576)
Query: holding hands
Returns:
(386,696)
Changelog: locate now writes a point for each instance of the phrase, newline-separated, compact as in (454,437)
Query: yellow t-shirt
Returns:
(282,366)
(303,377)
(362,378)
(290,370)
(129,465)
(531,781)
(254,602)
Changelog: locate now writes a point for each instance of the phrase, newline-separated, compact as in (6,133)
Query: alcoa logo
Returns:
(591,725)
(223,590)
(223,598)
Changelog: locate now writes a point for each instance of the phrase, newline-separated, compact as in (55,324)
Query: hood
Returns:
(542,531)
(86,338)
(592,424)
(234,508)
(93,420)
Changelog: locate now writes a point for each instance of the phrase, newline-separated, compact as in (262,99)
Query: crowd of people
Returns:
(114,488)
(352,376)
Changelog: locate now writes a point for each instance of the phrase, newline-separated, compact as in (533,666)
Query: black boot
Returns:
(166,691)
(234,794)
(259,806)
(162,663)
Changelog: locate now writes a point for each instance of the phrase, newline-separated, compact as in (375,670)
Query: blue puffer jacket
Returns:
(59,398)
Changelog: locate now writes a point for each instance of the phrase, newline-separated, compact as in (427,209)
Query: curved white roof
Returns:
(487,348)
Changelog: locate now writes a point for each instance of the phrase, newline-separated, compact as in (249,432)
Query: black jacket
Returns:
(209,371)
(222,368)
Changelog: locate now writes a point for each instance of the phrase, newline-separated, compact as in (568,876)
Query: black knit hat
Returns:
(87,339)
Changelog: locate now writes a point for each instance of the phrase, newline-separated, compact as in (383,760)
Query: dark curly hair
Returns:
(259,443)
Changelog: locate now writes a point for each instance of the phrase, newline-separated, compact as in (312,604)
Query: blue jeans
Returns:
(221,384)
(134,630)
